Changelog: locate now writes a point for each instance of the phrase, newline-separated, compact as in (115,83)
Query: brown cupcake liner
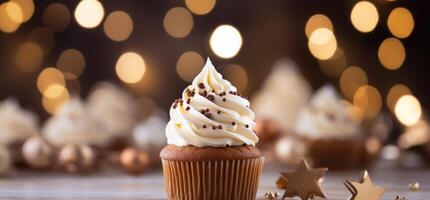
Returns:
(212,180)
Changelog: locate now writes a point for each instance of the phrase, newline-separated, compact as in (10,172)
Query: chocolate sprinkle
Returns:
(213,127)
(187,108)
(223,99)
(233,123)
(218,112)
(204,126)
(201,86)
(246,125)
(219,126)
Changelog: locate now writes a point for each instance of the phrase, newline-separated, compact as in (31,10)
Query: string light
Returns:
(29,57)
(52,105)
(317,21)
(26,7)
(364,16)
(7,24)
(200,7)
(48,77)
(89,13)
(401,22)
(54,90)
(189,65)
(369,100)
(322,43)
(391,53)
(225,41)
(71,61)
(118,26)
(351,79)
(408,110)
(395,93)
(237,75)
(56,17)
(130,67)
(178,22)
(14,12)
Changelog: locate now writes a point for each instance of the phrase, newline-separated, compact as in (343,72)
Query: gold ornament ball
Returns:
(38,153)
(134,161)
(76,158)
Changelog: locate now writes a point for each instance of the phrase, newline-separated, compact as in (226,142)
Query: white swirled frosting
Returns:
(326,117)
(211,113)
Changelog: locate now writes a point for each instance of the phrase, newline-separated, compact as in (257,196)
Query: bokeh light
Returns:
(130,67)
(27,8)
(401,22)
(317,21)
(189,65)
(200,7)
(322,43)
(334,66)
(118,26)
(391,53)
(178,22)
(364,16)
(225,41)
(52,105)
(7,24)
(408,110)
(49,76)
(14,12)
(89,13)
(237,75)
(351,79)
(29,57)
(71,61)
(369,100)
(54,90)
(395,93)
(56,17)
(44,38)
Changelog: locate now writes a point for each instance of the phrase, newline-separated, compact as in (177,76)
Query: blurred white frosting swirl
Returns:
(327,117)
(211,113)
(16,124)
(284,93)
(73,125)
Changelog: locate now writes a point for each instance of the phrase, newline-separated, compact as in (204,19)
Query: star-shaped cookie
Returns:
(364,190)
(303,182)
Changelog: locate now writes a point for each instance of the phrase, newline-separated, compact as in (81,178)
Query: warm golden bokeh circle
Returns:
(391,53)
(14,12)
(237,75)
(51,105)
(71,61)
(408,110)
(49,76)
(189,65)
(56,17)
(178,22)
(317,21)
(334,66)
(29,57)
(351,79)
(200,7)
(27,8)
(7,24)
(401,22)
(130,67)
(364,16)
(44,38)
(118,26)
(369,100)
(395,93)
(89,13)
(322,43)
(226,41)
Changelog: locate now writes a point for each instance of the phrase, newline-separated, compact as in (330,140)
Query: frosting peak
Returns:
(211,113)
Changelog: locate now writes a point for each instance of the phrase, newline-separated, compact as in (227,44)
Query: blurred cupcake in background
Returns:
(115,111)
(335,139)
(73,125)
(283,95)
(416,137)
(149,135)
(16,125)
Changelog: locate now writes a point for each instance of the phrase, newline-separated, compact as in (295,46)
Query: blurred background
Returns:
(372,52)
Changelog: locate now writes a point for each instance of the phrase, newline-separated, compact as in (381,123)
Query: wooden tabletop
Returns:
(117,185)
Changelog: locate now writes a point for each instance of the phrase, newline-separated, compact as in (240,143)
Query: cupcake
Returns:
(149,135)
(211,151)
(284,93)
(72,125)
(16,125)
(115,111)
(335,140)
